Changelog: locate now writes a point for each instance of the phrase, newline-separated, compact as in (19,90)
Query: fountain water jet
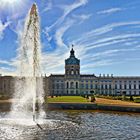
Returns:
(29,86)
(21,122)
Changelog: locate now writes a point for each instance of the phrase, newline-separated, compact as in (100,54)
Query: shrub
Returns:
(4,97)
(92,98)
(131,98)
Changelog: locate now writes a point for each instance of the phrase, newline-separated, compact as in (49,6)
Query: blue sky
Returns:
(105,34)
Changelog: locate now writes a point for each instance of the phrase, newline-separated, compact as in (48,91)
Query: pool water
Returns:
(73,125)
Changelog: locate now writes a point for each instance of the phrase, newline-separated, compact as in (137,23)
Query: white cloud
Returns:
(67,10)
(18,29)
(106,57)
(6,71)
(9,67)
(82,17)
(48,7)
(54,62)
(4,62)
(64,26)
(112,40)
(60,32)
(110,53)
(102,30)
(99,63)
(3,26)
(109,11)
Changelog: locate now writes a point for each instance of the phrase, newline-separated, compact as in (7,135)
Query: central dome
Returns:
(72,60)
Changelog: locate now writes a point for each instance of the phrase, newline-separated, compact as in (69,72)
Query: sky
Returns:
(105,35)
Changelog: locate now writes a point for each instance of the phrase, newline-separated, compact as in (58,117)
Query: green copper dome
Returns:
(72,60)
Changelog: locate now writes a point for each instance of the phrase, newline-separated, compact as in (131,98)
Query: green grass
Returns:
(68,99)
(126,98)
(137,100)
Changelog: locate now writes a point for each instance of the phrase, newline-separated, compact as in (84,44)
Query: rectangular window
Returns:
(76,84)
(82,85)
(86,86)
(96,86)
(57,86)
(124,86)
(120,86)
(91,86)
(102,86)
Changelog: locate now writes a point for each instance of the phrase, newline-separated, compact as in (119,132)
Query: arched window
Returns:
(72,84)
(72,72)
(77,72)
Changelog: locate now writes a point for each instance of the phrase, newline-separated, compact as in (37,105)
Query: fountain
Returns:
(29,93)
(29,87)
(27,109)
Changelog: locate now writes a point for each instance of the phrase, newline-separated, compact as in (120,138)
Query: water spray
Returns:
(29,88)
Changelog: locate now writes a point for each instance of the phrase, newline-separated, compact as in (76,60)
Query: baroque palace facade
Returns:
(74,83)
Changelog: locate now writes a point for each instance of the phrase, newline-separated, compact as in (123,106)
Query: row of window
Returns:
(71,85)
(104,81)
(127,81)
(127,86)
(120,86)
(119,93)
(91,86)
(72,72)
(101,92)
(87,81)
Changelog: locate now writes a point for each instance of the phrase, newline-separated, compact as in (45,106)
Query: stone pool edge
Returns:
(5,106)
(93,106)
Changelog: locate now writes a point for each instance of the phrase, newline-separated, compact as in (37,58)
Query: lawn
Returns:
(126,98)
(68,99)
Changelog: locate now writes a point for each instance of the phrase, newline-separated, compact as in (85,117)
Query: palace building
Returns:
(74,83)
